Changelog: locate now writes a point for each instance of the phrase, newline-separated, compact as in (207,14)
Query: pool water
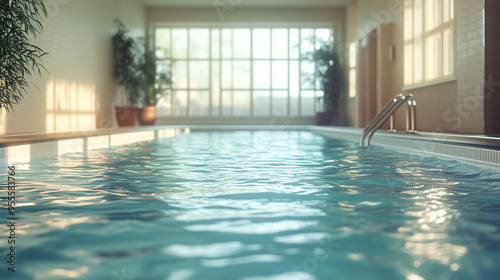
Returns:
(254,205)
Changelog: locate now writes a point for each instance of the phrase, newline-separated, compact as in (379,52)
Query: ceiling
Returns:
(245,3)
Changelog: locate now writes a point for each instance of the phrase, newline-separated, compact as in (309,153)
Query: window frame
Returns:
(213,112)
(425,35)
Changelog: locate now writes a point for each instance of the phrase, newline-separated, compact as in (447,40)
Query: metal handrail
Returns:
(380,119)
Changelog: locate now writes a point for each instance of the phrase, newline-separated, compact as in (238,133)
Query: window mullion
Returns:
(271,71)
(300,72)
(232,72)
(210,72)
(187,56)
(423,42)
(220,72)
(188,73)
(251,74)
(172,90)
(288,112)
(315,65)
(431,42)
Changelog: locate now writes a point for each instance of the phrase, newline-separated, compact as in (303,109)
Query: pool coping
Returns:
(478,149)
(40,137)
(22,148)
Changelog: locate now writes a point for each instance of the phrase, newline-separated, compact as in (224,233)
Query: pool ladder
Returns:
(388,113)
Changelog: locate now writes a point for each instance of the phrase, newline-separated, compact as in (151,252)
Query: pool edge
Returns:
(22,148)
(477,149)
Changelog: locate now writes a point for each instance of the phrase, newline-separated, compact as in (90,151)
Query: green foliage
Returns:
(135,69)
(152,83)
(19,23)
(330,72)
(125,49)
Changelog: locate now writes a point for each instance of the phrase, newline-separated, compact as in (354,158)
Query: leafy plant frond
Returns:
(19,22)
(124,52)
(135,69)
(328,71)
(153,80)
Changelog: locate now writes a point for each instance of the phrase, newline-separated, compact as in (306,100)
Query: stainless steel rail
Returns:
(411,117)
(388,112)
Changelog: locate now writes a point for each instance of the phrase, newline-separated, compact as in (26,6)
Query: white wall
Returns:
(78,92)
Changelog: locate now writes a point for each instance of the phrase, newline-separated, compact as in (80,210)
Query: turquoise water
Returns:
(254,205)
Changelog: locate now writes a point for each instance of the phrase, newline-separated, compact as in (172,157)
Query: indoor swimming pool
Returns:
(253,205)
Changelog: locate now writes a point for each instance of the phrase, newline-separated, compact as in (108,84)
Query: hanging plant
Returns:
(19,23)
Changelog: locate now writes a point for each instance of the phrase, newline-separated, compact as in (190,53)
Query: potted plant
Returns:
(152,86)
(19,24)
(330,72)
(124,53)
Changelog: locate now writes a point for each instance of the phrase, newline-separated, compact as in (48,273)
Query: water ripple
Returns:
(256,205)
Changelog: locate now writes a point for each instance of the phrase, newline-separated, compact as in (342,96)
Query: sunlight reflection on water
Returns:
(256,205)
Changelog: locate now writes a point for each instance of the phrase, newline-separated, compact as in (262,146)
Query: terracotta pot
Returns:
(126,116)
(147,115)
(324,118)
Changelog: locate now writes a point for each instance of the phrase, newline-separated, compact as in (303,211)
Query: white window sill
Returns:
(428,84)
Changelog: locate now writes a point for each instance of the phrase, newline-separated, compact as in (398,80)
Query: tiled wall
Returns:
(78,91)
(458,106)
(470,66)
(436,108)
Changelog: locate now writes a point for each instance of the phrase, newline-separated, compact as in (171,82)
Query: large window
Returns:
(239,71)
(429,35)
